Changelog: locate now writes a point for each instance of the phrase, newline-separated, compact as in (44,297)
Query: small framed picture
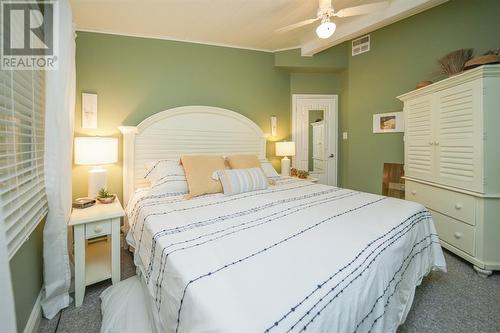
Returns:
(89,110)
(391,122)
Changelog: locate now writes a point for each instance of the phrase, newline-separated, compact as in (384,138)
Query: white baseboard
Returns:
(35,316)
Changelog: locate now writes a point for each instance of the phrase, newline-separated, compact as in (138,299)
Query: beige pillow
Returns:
(199,170)
(243,161)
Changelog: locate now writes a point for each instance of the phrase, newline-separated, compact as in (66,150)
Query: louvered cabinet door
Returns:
(419,148)
(459,136)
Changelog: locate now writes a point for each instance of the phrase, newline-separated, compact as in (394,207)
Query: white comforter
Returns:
(297,256)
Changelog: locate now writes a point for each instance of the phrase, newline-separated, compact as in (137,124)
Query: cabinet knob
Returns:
(457,235)
(413,192)
(458,206)
(98,228)
(436,143)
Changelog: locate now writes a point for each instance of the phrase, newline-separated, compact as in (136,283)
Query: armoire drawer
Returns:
(454,232)
(457,205)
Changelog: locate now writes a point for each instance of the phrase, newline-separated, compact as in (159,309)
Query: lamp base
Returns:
(285,166)
(97,180)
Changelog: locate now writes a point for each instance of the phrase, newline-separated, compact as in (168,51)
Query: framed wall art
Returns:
(392,122)
(89,110)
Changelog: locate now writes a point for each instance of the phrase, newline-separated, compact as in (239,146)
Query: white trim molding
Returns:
(151,36)
(35,317)
(186,130)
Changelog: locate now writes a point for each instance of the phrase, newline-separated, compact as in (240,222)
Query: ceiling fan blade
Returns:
(361,10)
(296,25)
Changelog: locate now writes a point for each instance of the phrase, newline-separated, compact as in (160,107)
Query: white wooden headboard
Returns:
(186,130)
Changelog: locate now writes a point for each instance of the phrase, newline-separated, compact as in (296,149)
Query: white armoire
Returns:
(452,161)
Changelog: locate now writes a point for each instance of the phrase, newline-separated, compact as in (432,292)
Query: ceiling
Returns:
(236,23)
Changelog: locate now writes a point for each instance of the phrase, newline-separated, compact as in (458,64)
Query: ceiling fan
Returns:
(326,12)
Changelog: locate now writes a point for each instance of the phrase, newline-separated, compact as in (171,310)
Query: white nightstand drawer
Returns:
(457,205)
(96,229)
(454,232)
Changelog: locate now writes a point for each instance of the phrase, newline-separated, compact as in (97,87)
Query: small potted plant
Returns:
(302,174)
(105,197)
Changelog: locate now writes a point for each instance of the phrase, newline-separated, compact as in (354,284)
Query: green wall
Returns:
(401,55)
(343,127)
(26,269)
(314,83)
(137,77)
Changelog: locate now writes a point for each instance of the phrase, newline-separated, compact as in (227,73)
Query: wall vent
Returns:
(361,45)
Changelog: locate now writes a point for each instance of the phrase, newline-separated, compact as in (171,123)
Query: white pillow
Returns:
(268,169)
(235,181)
(166,176)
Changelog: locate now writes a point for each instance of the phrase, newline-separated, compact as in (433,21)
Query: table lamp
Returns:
(285,149)
(96,151)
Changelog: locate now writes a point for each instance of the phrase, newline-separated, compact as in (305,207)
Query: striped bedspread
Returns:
(295,257)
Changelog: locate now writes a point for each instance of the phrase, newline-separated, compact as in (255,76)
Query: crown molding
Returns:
(126,34)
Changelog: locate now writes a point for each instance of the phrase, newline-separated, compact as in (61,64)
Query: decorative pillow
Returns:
(242,161)
(236,181)
(268,169)
(199,170)
(251,161)
(166,176)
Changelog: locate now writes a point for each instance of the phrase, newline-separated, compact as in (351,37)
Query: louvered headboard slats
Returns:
(186,130)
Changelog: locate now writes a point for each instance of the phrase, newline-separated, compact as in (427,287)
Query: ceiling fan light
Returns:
(326,29)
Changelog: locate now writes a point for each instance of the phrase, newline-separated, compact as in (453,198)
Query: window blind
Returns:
(22,123)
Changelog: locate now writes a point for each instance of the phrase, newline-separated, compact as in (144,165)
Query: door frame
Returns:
(334,115)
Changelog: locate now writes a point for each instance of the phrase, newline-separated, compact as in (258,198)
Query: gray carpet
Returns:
(456,301)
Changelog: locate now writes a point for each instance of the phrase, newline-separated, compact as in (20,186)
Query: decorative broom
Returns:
(454,62)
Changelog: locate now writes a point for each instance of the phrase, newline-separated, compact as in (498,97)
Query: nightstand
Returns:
(96,236)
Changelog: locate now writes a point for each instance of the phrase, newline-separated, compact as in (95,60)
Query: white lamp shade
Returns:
(96,150)
(285,148)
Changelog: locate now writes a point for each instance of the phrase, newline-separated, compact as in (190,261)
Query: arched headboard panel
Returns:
(186,130)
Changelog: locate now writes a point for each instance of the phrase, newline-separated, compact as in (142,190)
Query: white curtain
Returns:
(59,119)
(7,313)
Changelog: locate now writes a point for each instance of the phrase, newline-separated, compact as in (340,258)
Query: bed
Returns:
(295,257)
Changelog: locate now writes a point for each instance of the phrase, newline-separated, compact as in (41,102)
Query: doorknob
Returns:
(331,156)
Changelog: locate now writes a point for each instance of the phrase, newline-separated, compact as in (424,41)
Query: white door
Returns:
(321,112)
